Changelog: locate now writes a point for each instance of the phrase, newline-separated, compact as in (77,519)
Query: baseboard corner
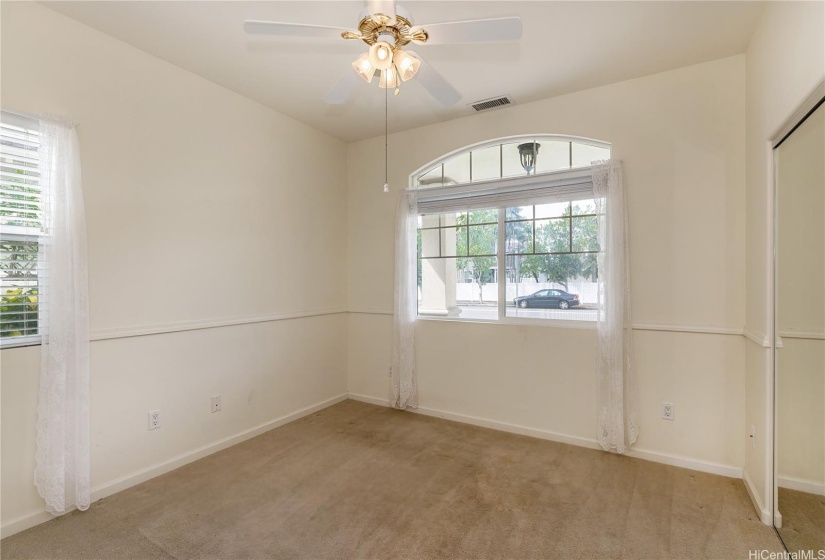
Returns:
(764,513)
(368,399)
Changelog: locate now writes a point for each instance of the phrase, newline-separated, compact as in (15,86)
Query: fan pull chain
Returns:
(386,141)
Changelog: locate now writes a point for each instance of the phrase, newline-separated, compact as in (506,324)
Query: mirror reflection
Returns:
(800,328)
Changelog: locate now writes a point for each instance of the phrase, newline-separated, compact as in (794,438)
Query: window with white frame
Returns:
(21,221)
(498,244)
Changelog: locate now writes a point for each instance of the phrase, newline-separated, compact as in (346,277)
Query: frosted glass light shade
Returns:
(389,78)
(364,68)
(406,64)
(381,55)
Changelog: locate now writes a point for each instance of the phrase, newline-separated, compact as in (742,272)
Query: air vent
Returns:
(492,103)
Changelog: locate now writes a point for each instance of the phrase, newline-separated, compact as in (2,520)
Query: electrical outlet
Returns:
(667,411)
(753,436)
(216,403)
(154,419)
(389,371)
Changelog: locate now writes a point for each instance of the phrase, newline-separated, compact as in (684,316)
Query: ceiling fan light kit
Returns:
(406,64)
(386,28)
(385,37)
(389,78)
(363,67)
(380,55)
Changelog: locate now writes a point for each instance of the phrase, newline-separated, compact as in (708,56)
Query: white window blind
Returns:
(21,223)
(562,186)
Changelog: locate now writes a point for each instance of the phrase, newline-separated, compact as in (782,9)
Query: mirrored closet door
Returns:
(799,465)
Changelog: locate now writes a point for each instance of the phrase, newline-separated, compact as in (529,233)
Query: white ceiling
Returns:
(566,46)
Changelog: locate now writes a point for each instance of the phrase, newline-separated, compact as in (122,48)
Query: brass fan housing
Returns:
(369,30)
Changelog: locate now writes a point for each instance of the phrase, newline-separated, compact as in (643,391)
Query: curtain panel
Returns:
(618,425)
(403,380)
(62,468)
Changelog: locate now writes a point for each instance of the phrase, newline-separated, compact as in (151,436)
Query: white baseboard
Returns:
(486,423)
(687,463)
(511,428)
(801,485)
(654,456)
(142,475)
(764,513)
(25,522)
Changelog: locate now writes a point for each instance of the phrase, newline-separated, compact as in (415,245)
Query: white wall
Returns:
(203,209)
(680,135)
(785,62)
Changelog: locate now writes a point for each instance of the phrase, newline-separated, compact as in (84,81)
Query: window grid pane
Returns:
(18,288)
(21,220)
(486,164)
(457,170)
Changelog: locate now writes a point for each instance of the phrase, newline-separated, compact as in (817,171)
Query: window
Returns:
(21,215)
(502,160)
(493,245)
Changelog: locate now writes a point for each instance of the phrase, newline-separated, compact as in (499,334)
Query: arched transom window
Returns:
(511,157)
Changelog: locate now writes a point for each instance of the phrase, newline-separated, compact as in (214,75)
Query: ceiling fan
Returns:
(387,29)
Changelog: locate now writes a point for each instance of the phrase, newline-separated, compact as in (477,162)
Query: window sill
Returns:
(572,324)
(19,342)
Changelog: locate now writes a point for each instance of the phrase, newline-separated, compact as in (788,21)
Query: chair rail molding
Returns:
(164,328)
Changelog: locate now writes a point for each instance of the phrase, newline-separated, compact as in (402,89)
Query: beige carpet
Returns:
(362,481)
(803,520)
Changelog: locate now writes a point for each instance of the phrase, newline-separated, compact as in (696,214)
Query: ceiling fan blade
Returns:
(383,7)
(435,83)
(253,27)
(473,31)
(343,89)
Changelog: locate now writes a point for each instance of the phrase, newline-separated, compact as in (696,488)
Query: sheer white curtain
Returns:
(62,462)
(403,383)
(618,423)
